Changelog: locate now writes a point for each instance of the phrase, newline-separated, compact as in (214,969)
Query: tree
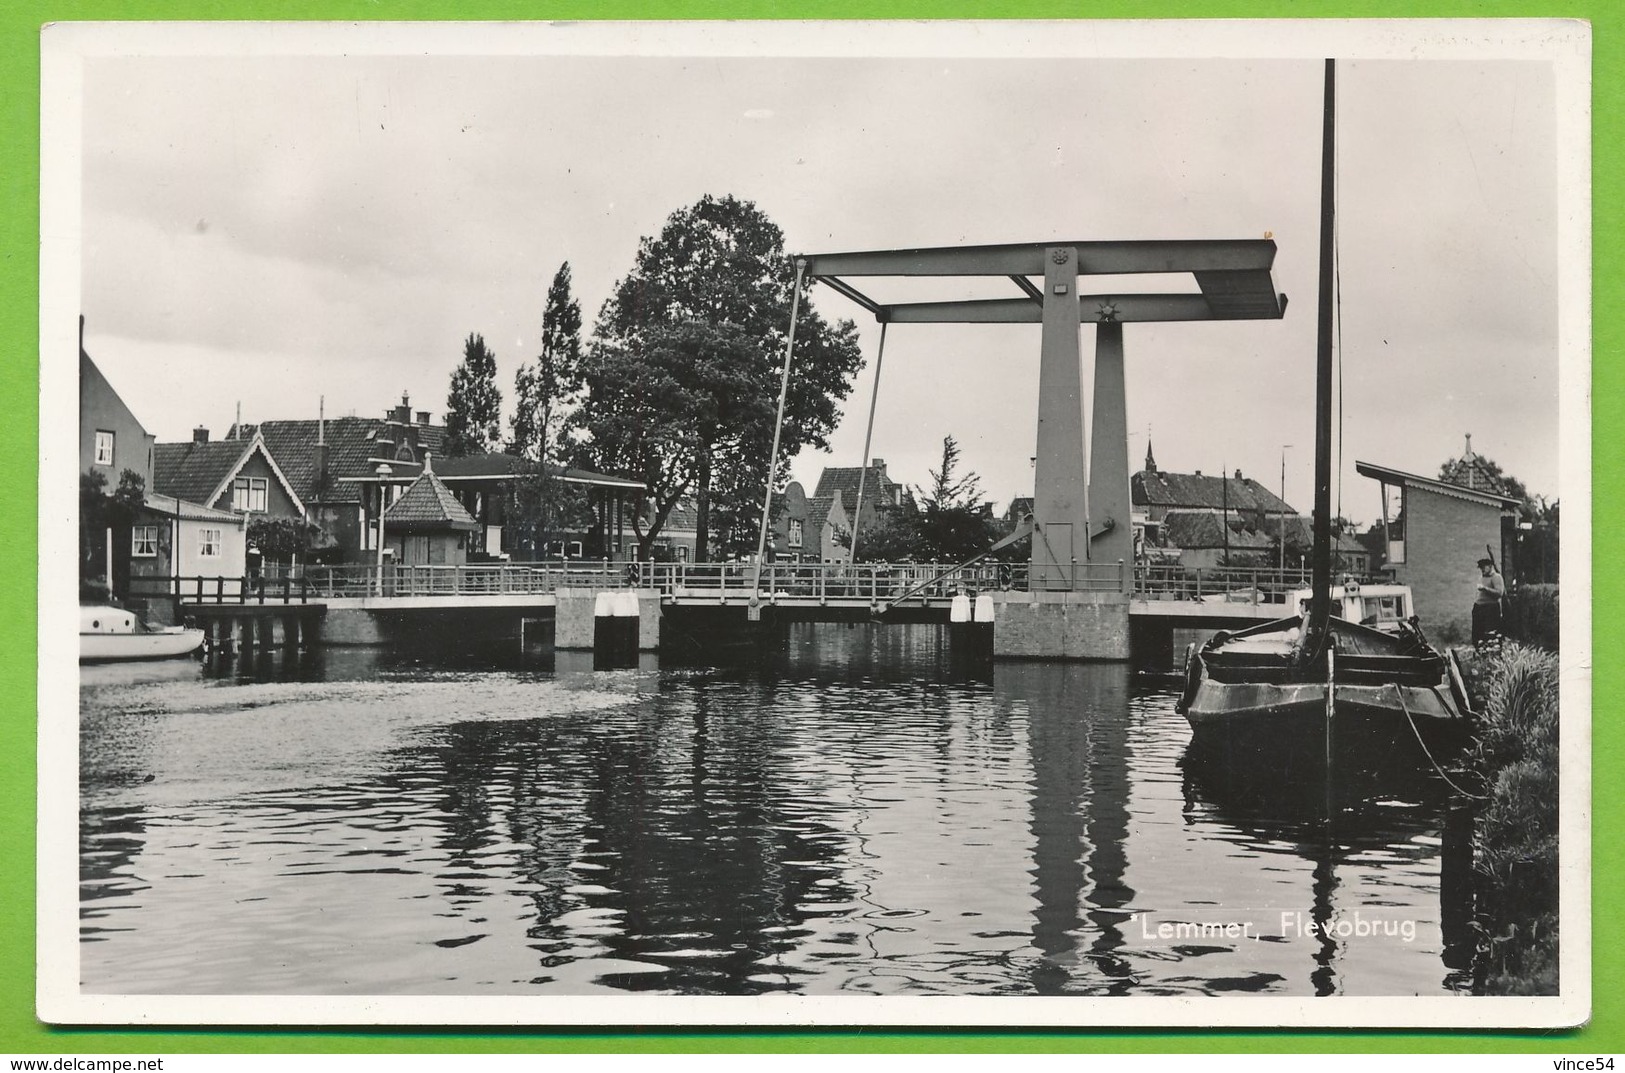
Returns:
(101,511)
(953,524)
(280,539)
(669,404)
(474,406)
(546,391)
(713,288)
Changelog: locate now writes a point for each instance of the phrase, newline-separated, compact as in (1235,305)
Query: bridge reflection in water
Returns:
(858,811)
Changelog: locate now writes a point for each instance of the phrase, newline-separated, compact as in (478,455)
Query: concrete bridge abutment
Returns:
(576,615)
(1061,625)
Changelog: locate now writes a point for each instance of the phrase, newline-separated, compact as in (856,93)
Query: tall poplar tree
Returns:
(474,405)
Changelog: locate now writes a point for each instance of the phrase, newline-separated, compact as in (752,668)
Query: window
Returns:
(104,448)
(795,532)
(248,493)
(144,541)
(208,543)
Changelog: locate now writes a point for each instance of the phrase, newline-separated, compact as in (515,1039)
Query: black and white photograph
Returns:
(1048,523)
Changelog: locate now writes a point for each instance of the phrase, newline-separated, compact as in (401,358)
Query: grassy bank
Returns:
(1515,840)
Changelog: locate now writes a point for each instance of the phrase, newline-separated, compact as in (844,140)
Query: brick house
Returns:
(1434,544)
(880,492)
(1203,518)
(808,528)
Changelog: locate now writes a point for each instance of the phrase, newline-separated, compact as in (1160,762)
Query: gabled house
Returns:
(1207,519)
(809,529)
(880,492)
(349,470)
(227,475)
(111,438)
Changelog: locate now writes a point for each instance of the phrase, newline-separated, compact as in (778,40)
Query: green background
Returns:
(20,22)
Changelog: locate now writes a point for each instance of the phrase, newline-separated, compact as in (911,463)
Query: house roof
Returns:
(170,507)
(201,472)
(192,471)
(494,466)
(1173,490)
(1433,484)
(818,507)
(428,504)
(1203,529)
(353,451)
(877,487)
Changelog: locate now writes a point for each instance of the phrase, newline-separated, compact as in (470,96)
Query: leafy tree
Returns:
(712,290)
(100,512)
(280,539)
(953,524)
(474,406)
(670,403)
(546,391)
(892,537)
(543,508)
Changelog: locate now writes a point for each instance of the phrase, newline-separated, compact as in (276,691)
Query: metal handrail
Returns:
(874,582)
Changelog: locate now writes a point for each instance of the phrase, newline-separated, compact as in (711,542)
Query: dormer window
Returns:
(248,494)
(403,453)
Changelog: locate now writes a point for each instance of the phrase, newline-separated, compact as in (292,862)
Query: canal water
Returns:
(855,810)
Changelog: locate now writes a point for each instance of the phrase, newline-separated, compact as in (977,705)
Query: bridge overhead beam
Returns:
(1028,259)
(1092,309)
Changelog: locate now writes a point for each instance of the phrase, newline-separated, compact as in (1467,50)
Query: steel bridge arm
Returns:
(1027,259)
(1092,309)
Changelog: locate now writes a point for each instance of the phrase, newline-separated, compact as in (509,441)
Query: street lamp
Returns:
(384,471)
(1284,448)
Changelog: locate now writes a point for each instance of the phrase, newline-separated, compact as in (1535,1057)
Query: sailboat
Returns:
(1314,677)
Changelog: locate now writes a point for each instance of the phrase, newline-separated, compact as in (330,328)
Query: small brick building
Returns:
(1436,540)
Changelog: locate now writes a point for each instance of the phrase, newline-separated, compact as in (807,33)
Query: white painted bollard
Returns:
(984,607)
(603,605)
(959,609)
(625,604)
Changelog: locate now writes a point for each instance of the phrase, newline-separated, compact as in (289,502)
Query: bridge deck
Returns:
(920,588)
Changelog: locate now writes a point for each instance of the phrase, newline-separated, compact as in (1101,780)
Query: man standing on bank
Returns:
(1487,604)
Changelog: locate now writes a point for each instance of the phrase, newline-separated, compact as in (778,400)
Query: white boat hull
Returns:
(158,644)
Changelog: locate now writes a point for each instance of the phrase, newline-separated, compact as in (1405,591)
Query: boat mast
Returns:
(1320,601)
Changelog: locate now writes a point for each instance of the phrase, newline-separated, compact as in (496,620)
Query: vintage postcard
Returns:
(1018,523)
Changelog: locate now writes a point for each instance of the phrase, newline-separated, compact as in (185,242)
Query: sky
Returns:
(269,231)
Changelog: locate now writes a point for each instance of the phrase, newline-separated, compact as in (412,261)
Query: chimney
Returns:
(321,445)
(402,414)
(879,466)
(200,435)
(423,417)
(1238,474)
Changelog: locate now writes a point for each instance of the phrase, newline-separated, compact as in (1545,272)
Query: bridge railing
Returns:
(826,581)
(223,590)
(469,579)
(1219,584)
